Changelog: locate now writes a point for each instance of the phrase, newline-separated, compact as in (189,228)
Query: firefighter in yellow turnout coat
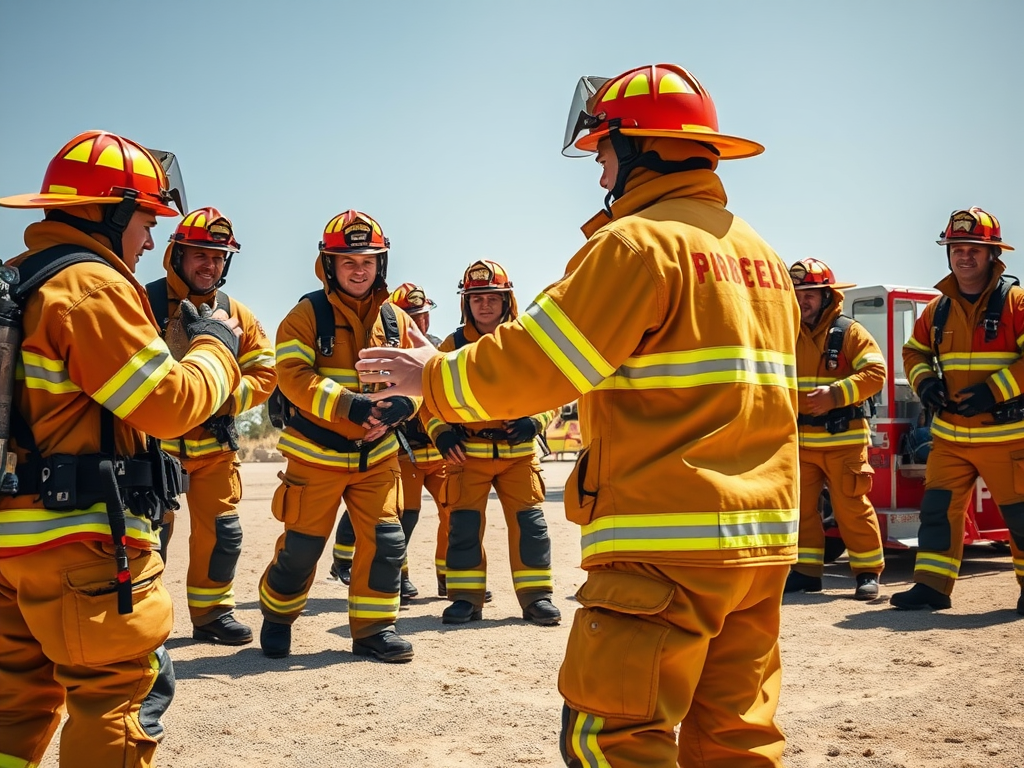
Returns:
(839,367)
(974,391)
(94,378)
(676,326)
(338,449)
(499,453)
(197,261)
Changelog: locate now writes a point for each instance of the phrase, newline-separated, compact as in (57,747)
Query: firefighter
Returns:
(83,609)
(839,367)
(499,453)
(964,362)
(197,261)
(424,468)
(337,447)
(675,325)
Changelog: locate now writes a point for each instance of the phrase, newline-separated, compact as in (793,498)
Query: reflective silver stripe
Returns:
(572,355)
(451,362)
(136,380)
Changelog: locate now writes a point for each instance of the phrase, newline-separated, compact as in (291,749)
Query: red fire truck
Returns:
(889,313)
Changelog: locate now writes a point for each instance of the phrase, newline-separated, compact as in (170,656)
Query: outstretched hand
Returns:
(401,369)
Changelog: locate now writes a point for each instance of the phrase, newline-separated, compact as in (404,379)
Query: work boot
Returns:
(408,590)
(461,612)
(542,612)
(867,586)
(1020,602)
(276,639)
(799,582)
(442,586)
(920,596)
(342,573)
(385,646)
(225,630)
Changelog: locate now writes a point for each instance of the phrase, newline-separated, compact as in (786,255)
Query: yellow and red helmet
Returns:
(104,168)
(973,225)
(412,298)
(654,100)
(814,273)
(206,228)
(485,276)
(354,233)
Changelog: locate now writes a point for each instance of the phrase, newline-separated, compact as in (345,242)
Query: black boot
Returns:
(867,587)
(225,630)
(542,612)
(276,639)
(1020,602)
(461,612)
(341,571)
(385,646)
(799,582)
(408,590)
(920,596)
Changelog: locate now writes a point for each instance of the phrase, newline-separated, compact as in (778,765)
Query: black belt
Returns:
(836,421)
(333,441)
(130,473)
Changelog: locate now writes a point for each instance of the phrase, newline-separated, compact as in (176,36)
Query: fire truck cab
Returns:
(889,313)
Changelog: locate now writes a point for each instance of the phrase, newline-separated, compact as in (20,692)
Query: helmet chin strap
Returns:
(115,221)
(627,152)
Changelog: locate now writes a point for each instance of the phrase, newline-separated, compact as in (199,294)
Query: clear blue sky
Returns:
(443,120)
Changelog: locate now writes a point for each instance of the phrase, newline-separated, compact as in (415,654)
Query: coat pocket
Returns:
(287,500)
(582,484)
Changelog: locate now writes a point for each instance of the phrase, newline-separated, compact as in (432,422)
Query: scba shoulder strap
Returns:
(993,311)
(834,342)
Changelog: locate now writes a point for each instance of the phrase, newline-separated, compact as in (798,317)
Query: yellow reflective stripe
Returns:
(544,419)
(347,377)
(946,567)
(344,551)
(1007,384)
(424,455)
(194,448)
(583,740)
(33,527)
(872,559)
(699,367)
(533,579)
(1018,567)
(208,361)
(691,531)
(485,449)
(850,392)
(570,351)
(40,372)
(466,579)
(998,433)
(10,761)
(1020,342)
(286,606)
(919,370)
(868,358)
(258,358)
(852,436)
(325,398)
(433,425)
(917,345)
(300,448)
(361,607)
(455,381)
(810,556)
(987,361)
(207,597)
(293,349)
(243,396)
(127,388)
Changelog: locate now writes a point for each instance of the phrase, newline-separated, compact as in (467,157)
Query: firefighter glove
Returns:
(522,430)
(933,393)
(359,409)
(977,399)
(199,322)
(394,410)
(448,440)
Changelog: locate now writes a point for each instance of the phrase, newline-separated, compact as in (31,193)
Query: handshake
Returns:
(378,416)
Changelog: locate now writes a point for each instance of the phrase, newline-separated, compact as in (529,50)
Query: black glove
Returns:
(359,409)
(981,400)
(399,409)
(933,393)
(448,440)
(198,322)
(522,430)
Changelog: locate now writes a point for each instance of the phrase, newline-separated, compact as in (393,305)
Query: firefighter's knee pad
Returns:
(225,553)
(346,535)
(409,519)
(295,563)
(386,568)
(464,540)
(534,542)
(935,534)
(159,697)
(1013,516)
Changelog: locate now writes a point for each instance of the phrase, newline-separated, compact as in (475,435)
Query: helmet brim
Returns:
(729,147)
(353,251)
(207,245)
(836,286)
(953,241)
(49,200)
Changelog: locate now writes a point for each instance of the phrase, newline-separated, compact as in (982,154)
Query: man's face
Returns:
(137,237)
(609,163)
(970,262)
(201,268)
(422,321)
(355,273)
(486,308)
(810,301)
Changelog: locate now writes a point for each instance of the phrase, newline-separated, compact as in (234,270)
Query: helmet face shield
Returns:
(175,183)
(580,117)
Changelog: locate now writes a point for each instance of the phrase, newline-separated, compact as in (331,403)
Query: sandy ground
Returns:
(864,685)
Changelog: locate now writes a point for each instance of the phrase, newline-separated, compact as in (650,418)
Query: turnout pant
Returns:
(63,645)
(953,469)
(215,538)
(848,474)
(520,490)
(307,502)
(655,647)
